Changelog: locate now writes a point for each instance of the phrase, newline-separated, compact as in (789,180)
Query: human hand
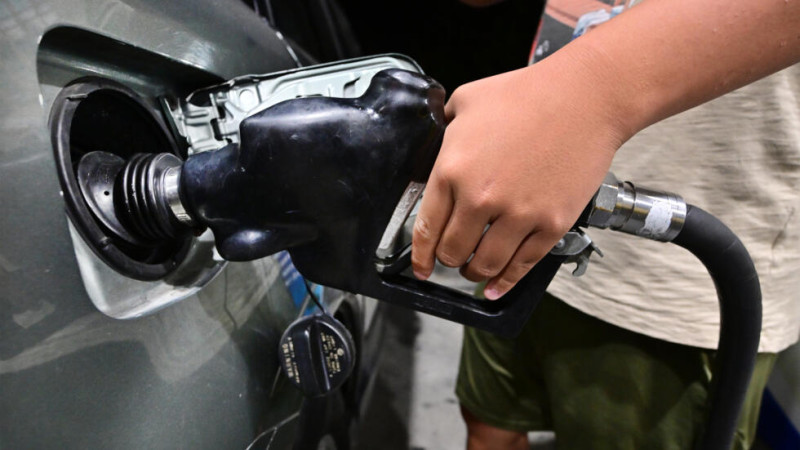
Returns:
(523,154)
(525,151)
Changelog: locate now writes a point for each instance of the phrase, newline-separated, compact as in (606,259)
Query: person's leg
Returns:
(621,390)
(748,420)
(499,390)
(596,385)
(610,388)
(482,436)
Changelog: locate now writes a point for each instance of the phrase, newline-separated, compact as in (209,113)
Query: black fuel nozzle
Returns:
(323,178)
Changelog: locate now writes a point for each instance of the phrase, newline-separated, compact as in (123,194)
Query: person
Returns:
(622,359)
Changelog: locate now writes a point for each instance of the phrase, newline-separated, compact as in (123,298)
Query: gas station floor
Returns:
(413,404)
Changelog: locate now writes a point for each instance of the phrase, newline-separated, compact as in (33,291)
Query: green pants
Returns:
(596,385)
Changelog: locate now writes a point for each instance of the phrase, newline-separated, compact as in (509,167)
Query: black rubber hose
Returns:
(739,293)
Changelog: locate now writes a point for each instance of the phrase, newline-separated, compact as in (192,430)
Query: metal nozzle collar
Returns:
(635,210)
(171,183)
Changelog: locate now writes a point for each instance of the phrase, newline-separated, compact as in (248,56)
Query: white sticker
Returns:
(658,220)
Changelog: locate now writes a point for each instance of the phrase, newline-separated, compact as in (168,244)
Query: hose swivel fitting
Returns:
(643,212)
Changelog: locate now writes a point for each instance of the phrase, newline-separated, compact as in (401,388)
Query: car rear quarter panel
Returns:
(201,373)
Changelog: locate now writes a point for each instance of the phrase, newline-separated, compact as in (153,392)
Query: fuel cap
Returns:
(318,354)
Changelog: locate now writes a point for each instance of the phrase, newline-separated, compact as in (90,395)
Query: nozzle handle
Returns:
(321,177)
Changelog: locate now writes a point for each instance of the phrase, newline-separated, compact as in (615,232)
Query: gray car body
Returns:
(201,373)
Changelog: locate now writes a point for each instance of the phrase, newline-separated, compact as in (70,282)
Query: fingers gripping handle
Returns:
(504,317)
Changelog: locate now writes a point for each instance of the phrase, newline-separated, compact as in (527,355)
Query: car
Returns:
(108,342)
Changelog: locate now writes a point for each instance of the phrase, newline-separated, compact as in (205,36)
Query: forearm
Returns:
(665,56)
(524,151)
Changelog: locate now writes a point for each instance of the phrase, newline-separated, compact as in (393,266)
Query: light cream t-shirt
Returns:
(737,157)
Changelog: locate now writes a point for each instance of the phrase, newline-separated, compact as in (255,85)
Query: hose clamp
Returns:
(634,210)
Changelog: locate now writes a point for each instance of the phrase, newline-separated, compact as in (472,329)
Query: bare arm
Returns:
(525,150)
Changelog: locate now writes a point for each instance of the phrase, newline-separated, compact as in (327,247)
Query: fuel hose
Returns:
(739,293)
(665,217)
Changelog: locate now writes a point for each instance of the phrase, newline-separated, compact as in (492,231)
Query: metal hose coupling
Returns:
(643,212)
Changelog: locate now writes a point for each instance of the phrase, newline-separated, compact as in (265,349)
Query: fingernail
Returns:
(492,293)
(420,275)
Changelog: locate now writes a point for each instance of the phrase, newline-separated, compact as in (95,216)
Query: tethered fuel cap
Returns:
(317,354)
